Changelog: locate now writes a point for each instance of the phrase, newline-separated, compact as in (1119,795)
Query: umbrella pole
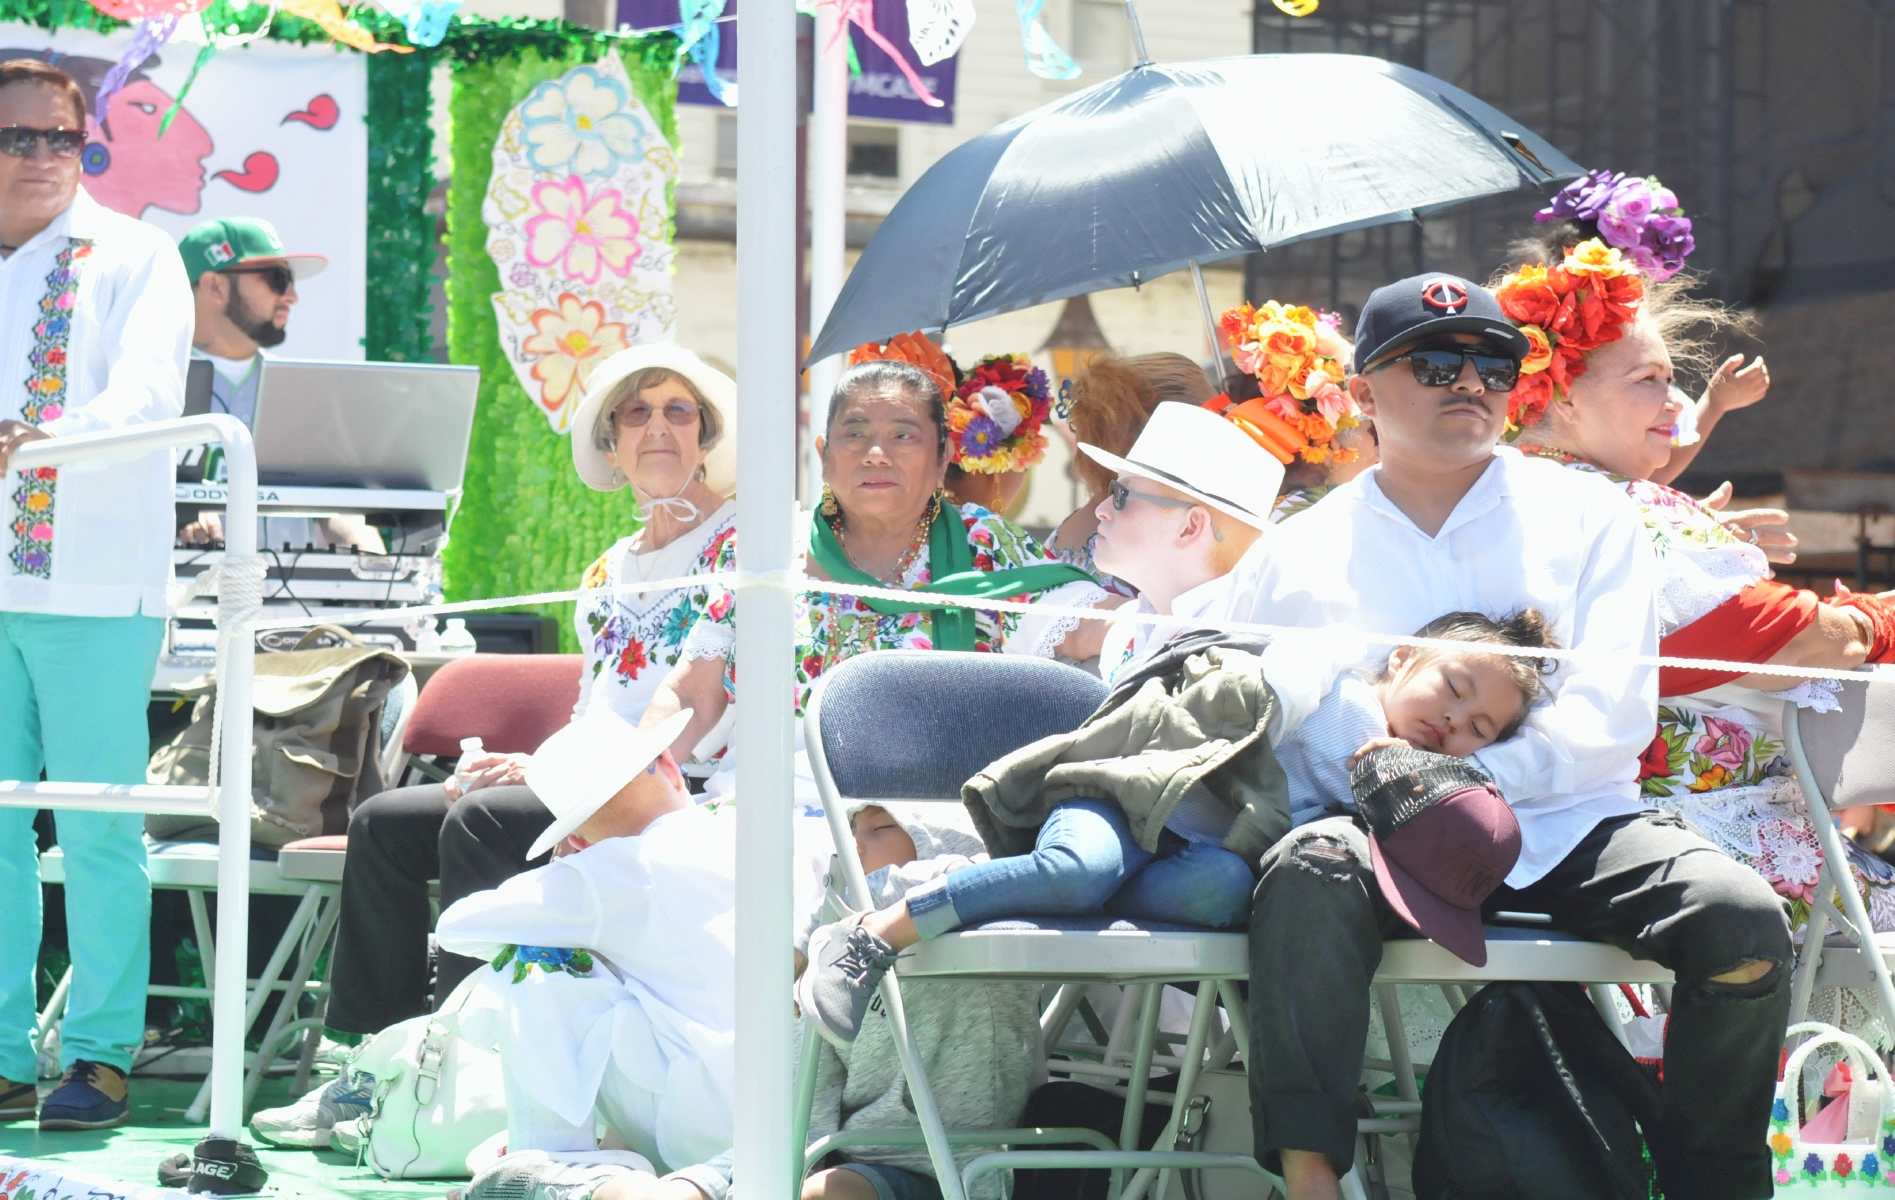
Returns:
(1210,322)
(766,462)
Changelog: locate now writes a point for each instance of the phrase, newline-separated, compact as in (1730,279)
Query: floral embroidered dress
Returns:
(1296,500)
(830,628)
(1082,556)
(1718,757)
(633,639)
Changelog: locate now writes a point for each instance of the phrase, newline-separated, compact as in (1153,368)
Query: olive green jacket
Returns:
(1195,717)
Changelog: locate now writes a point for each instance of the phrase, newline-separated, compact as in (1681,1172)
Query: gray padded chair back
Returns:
(1850,752)
(917,724)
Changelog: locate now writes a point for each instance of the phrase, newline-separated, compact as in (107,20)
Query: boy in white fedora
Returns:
(1192,495)
(612,990)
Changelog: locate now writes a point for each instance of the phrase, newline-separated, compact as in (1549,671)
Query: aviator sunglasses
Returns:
(1439,367)
(637,415)
(277,278)
(16,141)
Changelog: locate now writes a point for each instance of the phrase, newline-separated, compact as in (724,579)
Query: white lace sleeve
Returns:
(708,639)
(1817,695)
(1040,636)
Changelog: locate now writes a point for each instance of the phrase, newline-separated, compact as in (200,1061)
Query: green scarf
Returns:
(951,563)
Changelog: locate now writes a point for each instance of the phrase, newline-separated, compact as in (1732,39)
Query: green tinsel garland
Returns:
(401,233)
(528,524)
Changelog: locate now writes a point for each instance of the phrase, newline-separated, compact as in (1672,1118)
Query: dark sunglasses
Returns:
(637,415)
(1439,368)
(1121,495)
(16,141)
(278,279)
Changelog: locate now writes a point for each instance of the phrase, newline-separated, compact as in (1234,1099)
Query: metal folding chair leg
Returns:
(927,1113)
(1811,956)
(1836,867)
(324,917)
(1192,1062)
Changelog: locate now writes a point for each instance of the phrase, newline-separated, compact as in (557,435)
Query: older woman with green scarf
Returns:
(885,521)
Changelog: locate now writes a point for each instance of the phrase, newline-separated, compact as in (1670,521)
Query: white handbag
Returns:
(1840,1169)
(437,1096)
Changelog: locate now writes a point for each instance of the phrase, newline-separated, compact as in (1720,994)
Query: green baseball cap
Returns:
(230,241)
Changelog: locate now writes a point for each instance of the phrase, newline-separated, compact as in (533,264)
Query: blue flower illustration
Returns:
(1871,1166)
(581,123)
(1888,1145)
(1779,1111)
(548,959)
(1813,1165)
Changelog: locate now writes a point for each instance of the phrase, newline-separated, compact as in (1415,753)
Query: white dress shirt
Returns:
(130,336)
(1129,643)
(1529,532)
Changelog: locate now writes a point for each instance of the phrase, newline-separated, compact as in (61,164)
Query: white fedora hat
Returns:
(720,464)
(1204,456)
(578,769)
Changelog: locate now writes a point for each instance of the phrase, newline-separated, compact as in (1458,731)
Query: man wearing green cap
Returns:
(245,284)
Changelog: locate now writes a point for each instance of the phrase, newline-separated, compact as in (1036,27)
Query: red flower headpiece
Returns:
(1566,311)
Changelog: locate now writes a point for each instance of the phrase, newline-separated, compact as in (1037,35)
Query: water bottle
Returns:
(455,639)
(470,747)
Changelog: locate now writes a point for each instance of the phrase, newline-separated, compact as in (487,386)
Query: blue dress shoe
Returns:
(93,1095)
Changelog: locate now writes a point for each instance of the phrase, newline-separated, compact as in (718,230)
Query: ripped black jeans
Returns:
(1649,884)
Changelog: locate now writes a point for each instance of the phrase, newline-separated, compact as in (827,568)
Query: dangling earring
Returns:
(829,506)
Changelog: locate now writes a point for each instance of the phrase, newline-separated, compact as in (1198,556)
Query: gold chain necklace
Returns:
(908,557)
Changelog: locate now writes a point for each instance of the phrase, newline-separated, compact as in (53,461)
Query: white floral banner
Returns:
(576,223)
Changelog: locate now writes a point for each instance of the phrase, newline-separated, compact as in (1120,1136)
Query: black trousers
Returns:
(398,842)
(1648,884)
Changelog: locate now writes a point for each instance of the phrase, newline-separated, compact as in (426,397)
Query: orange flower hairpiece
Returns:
(1566,311)
(1296,356)
(916,350)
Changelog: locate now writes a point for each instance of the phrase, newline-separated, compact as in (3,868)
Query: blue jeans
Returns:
(73,692)
(895,1183)
(1086,862)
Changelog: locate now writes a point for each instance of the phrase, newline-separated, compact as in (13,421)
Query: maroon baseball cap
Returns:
(1441,839)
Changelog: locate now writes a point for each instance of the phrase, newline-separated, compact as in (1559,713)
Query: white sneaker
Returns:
(347,1137)
(306,1124)
(534,1175)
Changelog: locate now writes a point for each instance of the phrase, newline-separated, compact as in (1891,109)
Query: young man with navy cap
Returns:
(1450,521)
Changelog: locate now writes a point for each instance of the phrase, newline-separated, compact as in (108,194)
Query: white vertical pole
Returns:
(236,664)
(766,462)
(828,167)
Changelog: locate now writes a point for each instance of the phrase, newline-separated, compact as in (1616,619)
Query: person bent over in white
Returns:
(612,994)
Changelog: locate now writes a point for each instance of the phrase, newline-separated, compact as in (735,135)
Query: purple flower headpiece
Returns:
(1639,216)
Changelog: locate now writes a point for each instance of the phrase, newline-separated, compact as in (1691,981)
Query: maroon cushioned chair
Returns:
(511,702)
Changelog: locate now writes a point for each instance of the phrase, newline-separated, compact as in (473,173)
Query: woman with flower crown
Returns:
(886,521)
(1596,395)
(1292,399)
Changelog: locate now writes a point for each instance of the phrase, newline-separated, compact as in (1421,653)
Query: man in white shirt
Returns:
(95,325)
(1449,522)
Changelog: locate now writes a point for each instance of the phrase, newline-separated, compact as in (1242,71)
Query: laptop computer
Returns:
(364,425)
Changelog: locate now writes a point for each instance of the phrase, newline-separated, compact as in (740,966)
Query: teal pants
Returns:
(73,695)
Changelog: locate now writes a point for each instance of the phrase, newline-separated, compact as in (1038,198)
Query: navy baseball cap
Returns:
(1435,303)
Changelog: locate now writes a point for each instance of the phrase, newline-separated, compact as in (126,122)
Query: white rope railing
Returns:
(797,582)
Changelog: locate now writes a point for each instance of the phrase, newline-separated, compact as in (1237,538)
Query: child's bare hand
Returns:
(1731,388)
(1373,744)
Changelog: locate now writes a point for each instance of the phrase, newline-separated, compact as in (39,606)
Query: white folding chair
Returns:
(1843,759)
(893,725)
(191,867)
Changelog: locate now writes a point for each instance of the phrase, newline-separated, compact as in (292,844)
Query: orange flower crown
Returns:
(1296,356)
(916,350)
(1566,311)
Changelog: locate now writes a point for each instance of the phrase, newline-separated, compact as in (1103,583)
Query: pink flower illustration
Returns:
(584,234)
(1725,743)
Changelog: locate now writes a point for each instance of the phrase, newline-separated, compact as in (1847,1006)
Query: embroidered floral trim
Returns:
(45,401)
(1866,1172)
(548,960)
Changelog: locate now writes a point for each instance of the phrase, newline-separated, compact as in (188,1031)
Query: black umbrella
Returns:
(1168,166)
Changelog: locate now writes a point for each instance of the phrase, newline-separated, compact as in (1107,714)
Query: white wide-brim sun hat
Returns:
(578,769)
(1204,456)
(720,464)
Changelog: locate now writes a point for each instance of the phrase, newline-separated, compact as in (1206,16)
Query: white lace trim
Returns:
(1817,695)
(708,639)
(1041,636)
